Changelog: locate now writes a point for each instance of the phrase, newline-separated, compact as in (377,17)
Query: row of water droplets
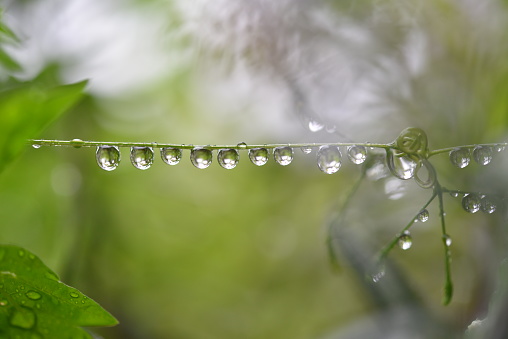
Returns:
(329,157)
(482,155)
(474,202)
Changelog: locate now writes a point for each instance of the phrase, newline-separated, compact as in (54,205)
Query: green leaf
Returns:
(35,304)
(26,110)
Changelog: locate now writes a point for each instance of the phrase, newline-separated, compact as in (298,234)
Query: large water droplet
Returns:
(405,241)
(460,157)
(315,126)
(471,203)
(487,205)
(447,240)
(142,157)
(170,155)
(33,295)
(228,158)
(306,150)
(258,156)
(108,157)
(401,166)
(201,157)
(23,318)
(357,154)
(283,155)
(329,159)
(423,216)
(482,155)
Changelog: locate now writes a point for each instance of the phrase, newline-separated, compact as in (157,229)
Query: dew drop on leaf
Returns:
(283,155)
(405,241)
(33,295)
(329,159)
(471,203)
(447,240)
(201,157)
(21,253)
(142,157)
(460,157)
(401,166)
(487,205)
(228,158)
(482,155)
(74,295)
(170,155)
(423,216)
(258,156)
(306,150)
(108,157)
(357,154)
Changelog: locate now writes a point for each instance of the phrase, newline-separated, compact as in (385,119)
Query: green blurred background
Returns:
(177,252)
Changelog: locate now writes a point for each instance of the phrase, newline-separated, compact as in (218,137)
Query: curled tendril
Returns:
(413,142)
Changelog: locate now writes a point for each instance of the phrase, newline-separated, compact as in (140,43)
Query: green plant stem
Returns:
(448,288)
(80,143)
(449,149)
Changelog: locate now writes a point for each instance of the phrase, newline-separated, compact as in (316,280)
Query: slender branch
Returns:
(449,149)
(77,143)
(448,288)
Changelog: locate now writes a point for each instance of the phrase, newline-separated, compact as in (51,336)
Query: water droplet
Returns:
(22,317)
(170,155)
(487,205)
(447,239)
(405,241)
(74,295)
(201,157)
(108,157)
(258,156)
(77,143)
(283,155)
(378,273)
(33,295)
(21,253)
(329,159)
(423,216)
(500,148)
(400,165)
(315,126)
(460,157)
(331,129)
(454,194)
(36,146)
(306,150)
(471,203)
(482,155)
(357,154)
(228,158)
(241,145)
(142,157)
(4,302)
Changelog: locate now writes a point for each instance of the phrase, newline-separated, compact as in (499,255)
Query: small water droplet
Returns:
(74,295)
(306,150)
(357,154)
(400,165)
(258,156)
(447,239)
(423,216)
(405,241)
(241,145)
(36,146)
(201,157)
(31,256)
(454,194)
(329,159)
(21,253)
(283,155)
(487,205)
(228,158)
(33,295)
(170,155)
(315,126)
(77,143)
(108,157)
(378,273)
(142,157)
(22,317)
(482,155)
(460,157)
(471,203)
(500,148)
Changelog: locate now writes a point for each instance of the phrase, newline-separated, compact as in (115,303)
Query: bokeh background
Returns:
(177,252)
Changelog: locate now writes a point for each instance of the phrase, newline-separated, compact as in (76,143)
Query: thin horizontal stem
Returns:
(449,149)
(80,143)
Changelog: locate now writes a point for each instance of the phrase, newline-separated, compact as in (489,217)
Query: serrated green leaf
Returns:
(26,110)
(35,304)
